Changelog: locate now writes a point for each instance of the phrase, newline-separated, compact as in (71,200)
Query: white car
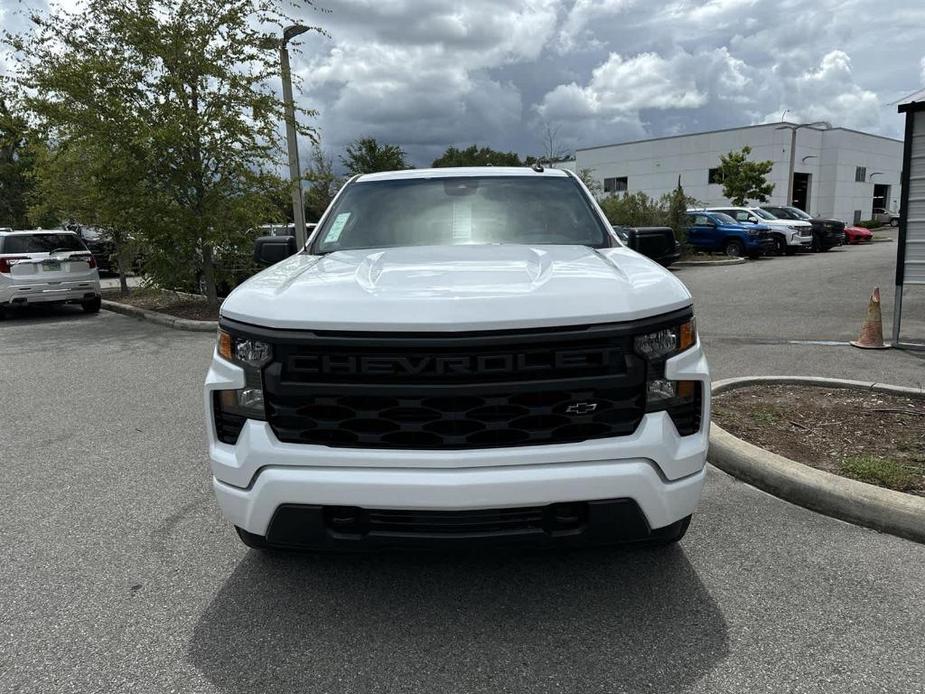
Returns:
(47,267)
(456,355)
(790,235)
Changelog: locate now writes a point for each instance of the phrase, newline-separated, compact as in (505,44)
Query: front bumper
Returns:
(797,239)
(21,294)
(658,470)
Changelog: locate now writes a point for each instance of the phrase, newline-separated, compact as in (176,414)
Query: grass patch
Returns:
(766,416)
(880,471)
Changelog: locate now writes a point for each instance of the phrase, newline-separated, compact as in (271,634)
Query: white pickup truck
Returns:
(458,355)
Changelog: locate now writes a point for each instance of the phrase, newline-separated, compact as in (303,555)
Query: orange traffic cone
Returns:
(871,336)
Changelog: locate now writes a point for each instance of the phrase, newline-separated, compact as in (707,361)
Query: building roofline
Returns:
(724,130)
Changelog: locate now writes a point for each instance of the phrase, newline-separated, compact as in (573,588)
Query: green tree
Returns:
(745,180)
(595,187)
(366,155)
(634,210)
(475,156)
(17,156)
(676,206)
(323,183)
(173,101)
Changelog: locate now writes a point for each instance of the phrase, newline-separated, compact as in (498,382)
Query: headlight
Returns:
(252,355)
(666,342)
(680,399)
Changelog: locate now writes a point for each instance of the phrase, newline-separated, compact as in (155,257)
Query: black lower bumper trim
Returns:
(342,528)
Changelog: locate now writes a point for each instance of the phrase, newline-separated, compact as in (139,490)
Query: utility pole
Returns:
(292,142)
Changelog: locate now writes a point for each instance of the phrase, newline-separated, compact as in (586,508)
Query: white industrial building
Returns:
(838,172)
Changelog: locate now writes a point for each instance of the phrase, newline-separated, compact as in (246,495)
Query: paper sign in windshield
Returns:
(337,227)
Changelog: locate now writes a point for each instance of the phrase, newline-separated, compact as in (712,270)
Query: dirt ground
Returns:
(864,435)
(179,305)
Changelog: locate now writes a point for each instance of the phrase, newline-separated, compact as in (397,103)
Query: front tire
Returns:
(92,305)
(780,246)
(894,222)
(733,248)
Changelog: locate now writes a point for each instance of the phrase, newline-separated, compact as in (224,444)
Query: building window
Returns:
(857,216)
(860,174)
(715,176)
(615,185)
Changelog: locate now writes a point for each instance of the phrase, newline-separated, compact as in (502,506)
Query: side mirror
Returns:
(269,250)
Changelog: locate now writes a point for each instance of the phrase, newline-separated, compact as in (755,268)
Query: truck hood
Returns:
(456,288)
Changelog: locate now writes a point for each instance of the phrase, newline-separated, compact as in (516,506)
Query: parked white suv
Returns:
(47,267)
(458,354)
(790,235)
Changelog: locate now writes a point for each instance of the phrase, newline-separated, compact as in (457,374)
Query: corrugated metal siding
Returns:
(915,211)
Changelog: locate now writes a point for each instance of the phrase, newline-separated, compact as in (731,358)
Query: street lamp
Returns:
(793,149)
(292,142)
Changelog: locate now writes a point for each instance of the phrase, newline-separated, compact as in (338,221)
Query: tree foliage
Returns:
(594,186)
(17,157)
(676,212)
(365,155)
(170,103)
(634,210)
(323,184)
(745,180)
(476,156)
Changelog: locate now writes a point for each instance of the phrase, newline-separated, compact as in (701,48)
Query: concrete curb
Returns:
(709,263)
(849,500)
(202,326)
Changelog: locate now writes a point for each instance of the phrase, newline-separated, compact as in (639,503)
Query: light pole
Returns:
(793,149)
(292,142)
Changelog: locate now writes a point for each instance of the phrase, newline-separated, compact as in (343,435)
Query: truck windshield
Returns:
(460,211)
(723,218)
(763,213)
(798,213)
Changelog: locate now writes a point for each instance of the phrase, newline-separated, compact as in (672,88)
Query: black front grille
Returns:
(457,390)
(503,418)
(450,522)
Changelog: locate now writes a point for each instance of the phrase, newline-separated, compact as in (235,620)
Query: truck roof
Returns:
(456,172)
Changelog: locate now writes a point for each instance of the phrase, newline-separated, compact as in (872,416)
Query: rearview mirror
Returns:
(269,250)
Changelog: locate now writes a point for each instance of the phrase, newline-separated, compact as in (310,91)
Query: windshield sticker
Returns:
(339,222)
(462,222)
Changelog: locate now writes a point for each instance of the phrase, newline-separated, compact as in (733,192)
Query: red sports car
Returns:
(857,235)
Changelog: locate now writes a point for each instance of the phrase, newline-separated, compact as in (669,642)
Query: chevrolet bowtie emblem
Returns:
(581,408)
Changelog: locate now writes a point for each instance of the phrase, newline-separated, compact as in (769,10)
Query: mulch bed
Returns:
(874,437)
(171,303)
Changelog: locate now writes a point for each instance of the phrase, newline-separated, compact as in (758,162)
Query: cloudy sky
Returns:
(426,74)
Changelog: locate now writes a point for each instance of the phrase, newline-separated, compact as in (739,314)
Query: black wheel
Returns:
(251,540)
(669,534)
(817,246)
(894,222)
(733,248)
(780,246)
(92,305)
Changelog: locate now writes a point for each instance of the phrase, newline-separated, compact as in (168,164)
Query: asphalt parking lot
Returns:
(118,574)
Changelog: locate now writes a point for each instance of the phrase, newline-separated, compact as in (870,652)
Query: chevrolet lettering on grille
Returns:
(393,365)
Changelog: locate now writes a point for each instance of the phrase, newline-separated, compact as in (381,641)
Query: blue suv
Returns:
(715,231)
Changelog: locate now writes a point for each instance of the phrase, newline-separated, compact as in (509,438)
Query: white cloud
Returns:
(829,92)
